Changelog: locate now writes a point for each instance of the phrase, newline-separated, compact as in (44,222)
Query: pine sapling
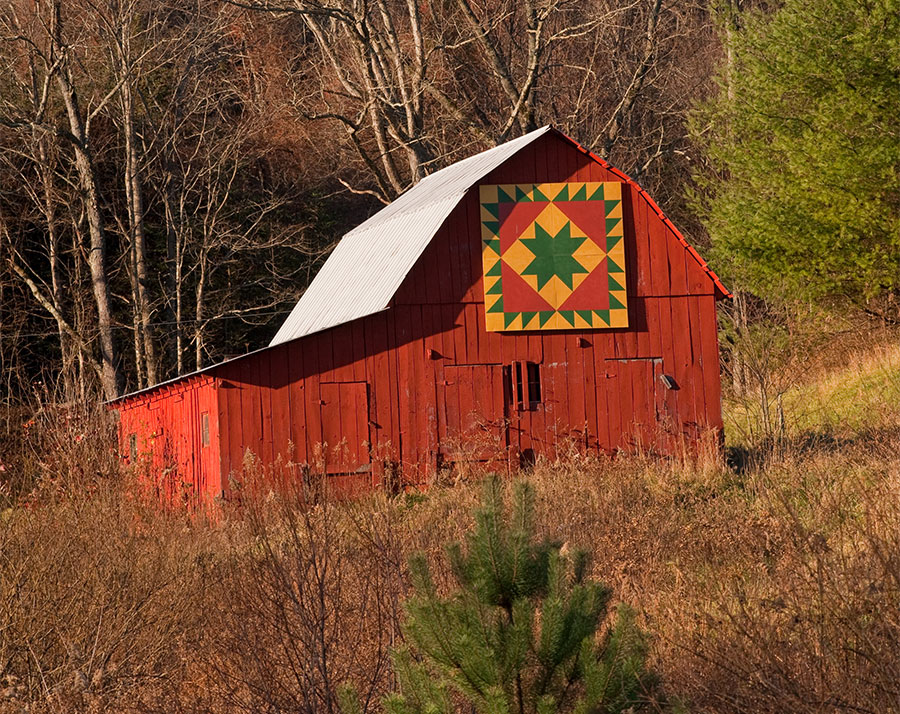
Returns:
(523,632)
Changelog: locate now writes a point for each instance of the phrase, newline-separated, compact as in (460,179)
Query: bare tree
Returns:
(43,40)
(160,156)
(127,63)
(413,85)
(153,86)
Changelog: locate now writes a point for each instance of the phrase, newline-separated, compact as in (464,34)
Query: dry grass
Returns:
(772,585)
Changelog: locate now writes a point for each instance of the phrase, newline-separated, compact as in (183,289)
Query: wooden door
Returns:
(345,426)
(635,396)
(472,413)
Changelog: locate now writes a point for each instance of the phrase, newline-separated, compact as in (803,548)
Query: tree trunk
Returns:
(626,104)
(48,208)
(139,360)
(173,276)
(199,305)
(135,200)
(111,376)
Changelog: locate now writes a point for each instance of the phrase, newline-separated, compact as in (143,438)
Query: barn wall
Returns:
(423,382)
(312,402)
(161,433)
(602,388)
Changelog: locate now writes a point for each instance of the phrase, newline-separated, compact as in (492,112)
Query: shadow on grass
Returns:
(750,457)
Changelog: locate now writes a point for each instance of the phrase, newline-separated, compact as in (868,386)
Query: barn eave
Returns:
(370,262)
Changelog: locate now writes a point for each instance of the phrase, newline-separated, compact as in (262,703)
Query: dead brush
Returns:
(766,586)
(67,447)
(99,595)
(811,624)
(307,602)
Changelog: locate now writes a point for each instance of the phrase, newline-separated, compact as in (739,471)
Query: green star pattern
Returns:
(553,255)
(553,252)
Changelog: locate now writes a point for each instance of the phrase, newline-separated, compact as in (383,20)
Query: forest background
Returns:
(172,174)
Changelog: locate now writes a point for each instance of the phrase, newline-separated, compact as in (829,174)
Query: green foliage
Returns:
(520,632)
(804,142)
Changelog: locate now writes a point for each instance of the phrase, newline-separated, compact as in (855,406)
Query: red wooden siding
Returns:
(423,383)
(171,435)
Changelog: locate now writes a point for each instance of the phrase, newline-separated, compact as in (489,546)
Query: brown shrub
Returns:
(308,601)
(97,599)
(810,622)
(772,588)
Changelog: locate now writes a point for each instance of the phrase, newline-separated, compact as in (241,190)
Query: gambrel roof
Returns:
(370,262)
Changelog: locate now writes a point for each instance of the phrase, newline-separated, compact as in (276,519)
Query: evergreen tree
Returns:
(804,144)
(520,635)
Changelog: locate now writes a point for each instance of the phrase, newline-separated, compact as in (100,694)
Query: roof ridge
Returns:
(656,209)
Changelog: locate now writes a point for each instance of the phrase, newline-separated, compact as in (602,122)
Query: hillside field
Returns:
(767,577)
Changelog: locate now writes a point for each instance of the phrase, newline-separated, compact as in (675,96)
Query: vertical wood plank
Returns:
(475,268)
(297,401)
(642,400)
(602,399)
(575,383)
(358,349)
(658,239)
(408,404)
(361,409)
(378,370)
(709,346)
(457,236)
(562,422)
(675,257)
(697,372)
(427,369)
(681,344)
(312,399)
(253,414)
(671,417)
(393,361)
(470,336)
(444,261)
(342,353)
(266,446)
(629,375)
(460,348)
(433,270)
(324,345)
(332,433)
(615,405)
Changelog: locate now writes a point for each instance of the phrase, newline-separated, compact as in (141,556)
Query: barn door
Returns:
(345,426)
(472,418)
(635,398)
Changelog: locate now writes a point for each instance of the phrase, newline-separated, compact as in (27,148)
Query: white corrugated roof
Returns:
(370,262)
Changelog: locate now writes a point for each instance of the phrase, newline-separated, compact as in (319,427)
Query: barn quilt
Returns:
(553,256)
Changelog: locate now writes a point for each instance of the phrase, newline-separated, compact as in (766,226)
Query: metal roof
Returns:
(370,262)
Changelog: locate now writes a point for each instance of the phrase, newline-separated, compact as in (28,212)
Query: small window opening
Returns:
(525,387)
(534,382)
(204,429)
(520,392)
(132,446)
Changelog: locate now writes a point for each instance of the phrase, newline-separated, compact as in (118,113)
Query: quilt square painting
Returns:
(553,256)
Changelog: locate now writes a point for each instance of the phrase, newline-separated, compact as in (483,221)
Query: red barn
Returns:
(527,298)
